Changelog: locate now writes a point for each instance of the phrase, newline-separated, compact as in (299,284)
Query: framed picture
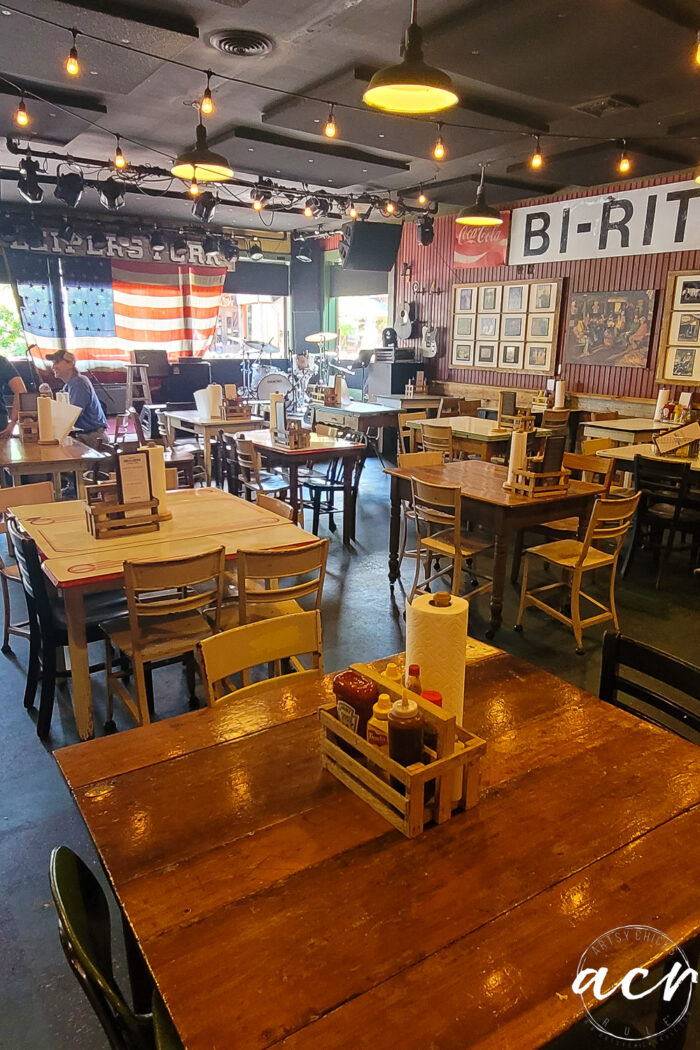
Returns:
(609,328)
(510,355)
(513,326)
(543,297)
(687,292)
(684,362)
(514,298)
(485,355)
(490,298)
(685,327)
(487,326)
(540,326)
(462,355)
(538,357)
(464,326)
(465,300)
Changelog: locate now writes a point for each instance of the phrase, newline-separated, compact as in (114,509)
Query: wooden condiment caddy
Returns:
(107,518)
(533,484)
(28,426)
(294,437)
(366,770)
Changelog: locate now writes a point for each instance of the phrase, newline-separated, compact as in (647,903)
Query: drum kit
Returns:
(261,378)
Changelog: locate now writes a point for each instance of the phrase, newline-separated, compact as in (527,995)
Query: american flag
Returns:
(102,309)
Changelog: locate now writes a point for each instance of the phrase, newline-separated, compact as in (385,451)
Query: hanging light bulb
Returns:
(120,160)
(439,147)
(422,199)
(193,188)
(21,116)
(697,48)
(623,165)
(72,64)
(479,213)
(537,160)
(331,128)
(309,209)
(697,176)
(352,210)
(389,208)
(258,205)
(206,105)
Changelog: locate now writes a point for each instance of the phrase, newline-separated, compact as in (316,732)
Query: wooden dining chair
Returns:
(18,496)
(556,421)
(164,1031)
(408,436)
(409,460)
(187,457)
(281,508)
(437,513)
(252,477)
(437,439)
(609,524)
(449,406)
(241,649)
(468,407)
(166,601)
(322,491)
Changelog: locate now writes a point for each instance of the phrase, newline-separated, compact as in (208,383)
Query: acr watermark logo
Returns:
(630,1006)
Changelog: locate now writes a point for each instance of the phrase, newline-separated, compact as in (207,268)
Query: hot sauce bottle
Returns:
(413,679)
(405,733)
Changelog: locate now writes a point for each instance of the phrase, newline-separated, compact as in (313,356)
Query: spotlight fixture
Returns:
(206,105)
(303,253)
(34,236)
(8,231)
(112,194)
(210,246)
(479,213)
(201,163)
(255,251)
(193,188)
(69,188)
(204,206)
(21,115)
(439,150)
(157,241)
(426,232)
(228,249)
(120,161)
(65,233)
(537,160)
(421,198)
(99,240)
(411,86)
(180,242)
(623,165)
(331,128)
(72,64)
(28,182)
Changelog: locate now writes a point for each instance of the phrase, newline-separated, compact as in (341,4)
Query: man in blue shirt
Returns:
(92,421)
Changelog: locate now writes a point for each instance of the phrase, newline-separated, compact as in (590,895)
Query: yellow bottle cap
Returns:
(393,671)
(382,706)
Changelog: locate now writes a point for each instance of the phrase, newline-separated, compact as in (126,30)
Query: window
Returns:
(12,341)
(361,319)
(258,318)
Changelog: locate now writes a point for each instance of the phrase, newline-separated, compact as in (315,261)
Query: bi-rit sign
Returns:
(639,222)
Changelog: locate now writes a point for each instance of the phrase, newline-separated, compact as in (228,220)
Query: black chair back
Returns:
(33,579)
(681,713)
(508,402)
(661,482)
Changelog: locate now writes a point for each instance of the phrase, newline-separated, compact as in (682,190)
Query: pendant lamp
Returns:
(479,213)
(201,163)
(411,86)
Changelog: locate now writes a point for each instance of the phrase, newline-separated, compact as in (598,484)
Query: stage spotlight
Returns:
(28,182)
(210,246)
(157,241)
(229,249)
(66,233)
(99,240)
(69,188)
(255,251)
(34,235)
(303,253)
(180,243)
(8,231)
(204,206)
(112,195)
(425,230)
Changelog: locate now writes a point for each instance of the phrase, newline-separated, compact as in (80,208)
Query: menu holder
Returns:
(278,413)
(294,437)
(125,506)
(28,418)
(368,772)
(534,484)
(674,442)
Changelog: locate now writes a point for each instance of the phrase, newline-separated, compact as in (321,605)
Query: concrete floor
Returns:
(41,1004)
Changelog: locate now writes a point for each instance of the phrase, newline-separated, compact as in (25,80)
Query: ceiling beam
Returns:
(54,96)
(319,148)
(133,12)
(680,12)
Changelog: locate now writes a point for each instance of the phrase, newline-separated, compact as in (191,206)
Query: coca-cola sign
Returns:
(482,245)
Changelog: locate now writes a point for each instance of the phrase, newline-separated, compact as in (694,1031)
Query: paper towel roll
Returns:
(661,402)
(518,455)
(216,397)
(43,407)
(559,393)
(156,469)
(436,639)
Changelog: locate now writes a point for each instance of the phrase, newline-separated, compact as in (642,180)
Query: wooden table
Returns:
(360,415)
(474,436)
(190,419)
(419,402)
(624,456)
(275,908)
(29,458)
(626,431)
(485,502)
(321,448)
(77,564)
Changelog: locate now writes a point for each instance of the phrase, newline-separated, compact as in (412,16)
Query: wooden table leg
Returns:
(79,663)
(56,477)
(394,531)
(294,486)
(348,507)
(500,553)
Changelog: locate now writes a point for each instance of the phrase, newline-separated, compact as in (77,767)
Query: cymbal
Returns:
(322,337)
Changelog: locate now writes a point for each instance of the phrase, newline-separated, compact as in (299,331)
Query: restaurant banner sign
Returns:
(481,245)
(637,222)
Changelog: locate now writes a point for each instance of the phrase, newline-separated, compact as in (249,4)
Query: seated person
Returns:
(92,421)
(9,380)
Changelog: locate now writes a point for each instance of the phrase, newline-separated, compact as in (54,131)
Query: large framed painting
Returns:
(609,328)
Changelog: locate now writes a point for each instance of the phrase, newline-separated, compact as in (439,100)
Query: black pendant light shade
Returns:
(479,213)
(201,163)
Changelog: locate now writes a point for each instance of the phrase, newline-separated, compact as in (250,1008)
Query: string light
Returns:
(389,208)
(439,147)
(422,199)
(623,165)
(257,205)
(72,64)
(308,211)
(331,128)
(120,160)
(193,188)
(537,160)
(206,105)
(697,48)
(352,210)
(21,116)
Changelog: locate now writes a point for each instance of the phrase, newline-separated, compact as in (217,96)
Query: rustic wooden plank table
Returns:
(624,456)
(274,908)
(485,502)
(629,430)
(78,564)
(20,458)
(474,436)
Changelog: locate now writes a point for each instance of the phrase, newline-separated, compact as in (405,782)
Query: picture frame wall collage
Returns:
(679,349)
(508,327)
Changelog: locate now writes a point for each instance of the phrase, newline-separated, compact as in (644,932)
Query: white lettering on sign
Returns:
(637,222)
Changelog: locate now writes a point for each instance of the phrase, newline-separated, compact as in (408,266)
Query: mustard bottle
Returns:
(378,726)
(393,672)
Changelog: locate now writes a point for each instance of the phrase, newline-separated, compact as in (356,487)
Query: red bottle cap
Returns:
(414,670)
(433,696)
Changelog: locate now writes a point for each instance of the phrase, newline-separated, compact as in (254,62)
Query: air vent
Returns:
(241,43)
(601,107)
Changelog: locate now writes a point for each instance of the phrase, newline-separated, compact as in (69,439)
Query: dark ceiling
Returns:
(582,74)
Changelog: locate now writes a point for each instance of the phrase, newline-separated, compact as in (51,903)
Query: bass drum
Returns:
(273,383)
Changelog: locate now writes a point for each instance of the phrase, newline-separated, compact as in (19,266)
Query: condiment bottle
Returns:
(355,695)
(413,678)
(405,722)
(393,671)
(378,726)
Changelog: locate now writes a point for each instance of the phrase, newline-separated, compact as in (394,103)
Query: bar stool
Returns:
(137,386)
